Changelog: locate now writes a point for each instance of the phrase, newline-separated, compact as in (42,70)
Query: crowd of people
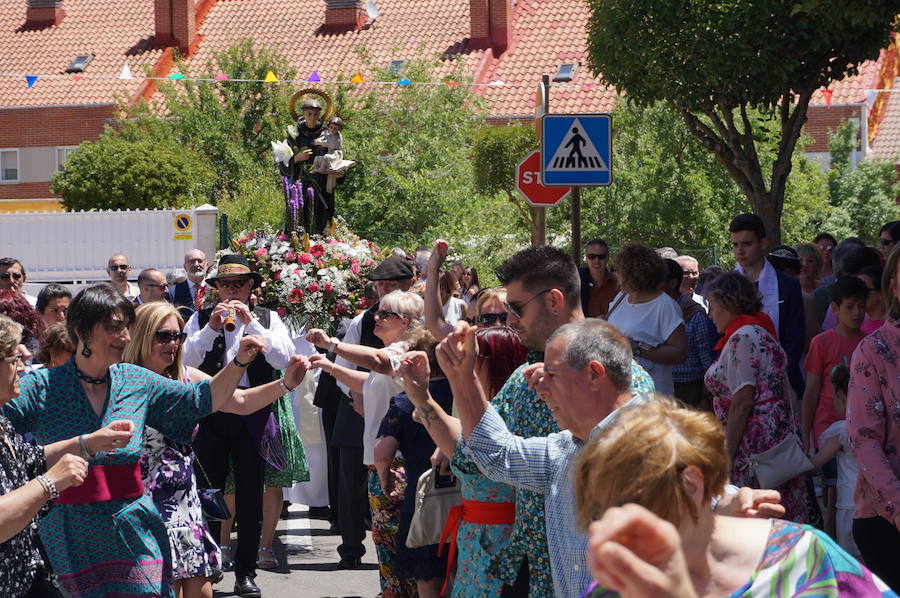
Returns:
(636,426)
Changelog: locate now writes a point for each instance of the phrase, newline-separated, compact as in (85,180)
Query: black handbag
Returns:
(212,500)
(44,585)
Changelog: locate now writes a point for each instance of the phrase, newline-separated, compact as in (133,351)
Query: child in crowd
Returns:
(827,350)
(835,444)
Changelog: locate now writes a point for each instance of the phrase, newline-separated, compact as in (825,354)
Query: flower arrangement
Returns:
(312,281)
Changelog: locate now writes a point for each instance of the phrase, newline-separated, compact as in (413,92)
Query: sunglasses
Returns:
(516,310)
(383,314)
(826,247)
(233,283)
(13,275)
(164,337)
(121,267)
(489,319)
(161,286)
(597,256)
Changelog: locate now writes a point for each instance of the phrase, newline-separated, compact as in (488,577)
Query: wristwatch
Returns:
(332,345)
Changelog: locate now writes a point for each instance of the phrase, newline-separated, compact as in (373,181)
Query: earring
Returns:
(87,351)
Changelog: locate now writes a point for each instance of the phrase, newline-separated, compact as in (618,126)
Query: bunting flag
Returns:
(221,78)
(357,78)
(404,82)
(125,73)
(827,93)
(176,76)
(270,78)
(451,83)
(870,97)
(314,77)
(77,77)
(588,86)
(30,80)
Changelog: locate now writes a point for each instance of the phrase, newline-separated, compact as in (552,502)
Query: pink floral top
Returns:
(873,421)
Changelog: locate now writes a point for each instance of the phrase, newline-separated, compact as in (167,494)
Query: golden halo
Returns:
(329,104)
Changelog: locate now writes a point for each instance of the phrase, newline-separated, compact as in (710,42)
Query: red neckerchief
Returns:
(759,319)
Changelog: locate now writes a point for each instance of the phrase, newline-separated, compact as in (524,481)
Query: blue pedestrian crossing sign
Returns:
(576,150)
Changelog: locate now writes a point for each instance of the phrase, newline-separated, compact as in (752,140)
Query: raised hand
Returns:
(639,555)
(415,372)
(251,345)
(456,354)
(70,470)
(438,256)
(318,337)
(296,370)
(114,435)
(533,374)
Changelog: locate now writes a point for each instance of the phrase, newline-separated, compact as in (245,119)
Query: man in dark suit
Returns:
(781,296)
(188,296)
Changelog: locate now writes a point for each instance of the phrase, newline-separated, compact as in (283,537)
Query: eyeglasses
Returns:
(234,283)
(13,275)
(597,256)
(164,285)
(164,337)
(516,310)
(121,267)
(489,319)
(383,314)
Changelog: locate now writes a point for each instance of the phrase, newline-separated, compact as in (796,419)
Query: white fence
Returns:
(75,246)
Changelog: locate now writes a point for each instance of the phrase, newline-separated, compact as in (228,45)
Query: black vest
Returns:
(259,371)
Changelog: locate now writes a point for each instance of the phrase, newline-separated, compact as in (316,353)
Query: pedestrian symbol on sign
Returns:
(576,152)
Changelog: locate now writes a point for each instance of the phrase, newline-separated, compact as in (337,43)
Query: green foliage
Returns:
(863,199)
(114,173)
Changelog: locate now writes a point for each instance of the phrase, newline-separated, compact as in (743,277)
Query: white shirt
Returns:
(352,336)
(701,300)
(454,311)
(377,392)
(651,323)
(767,284)
(847,468)
(32,301)
(200,341)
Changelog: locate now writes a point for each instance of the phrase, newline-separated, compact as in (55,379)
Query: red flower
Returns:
(282,312)
(313,287)
(317,250)
(296,295)
(304,258)
(290,256)
(328,287)
(276,275)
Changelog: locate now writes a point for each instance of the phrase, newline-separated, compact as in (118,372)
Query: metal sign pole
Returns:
(539,215)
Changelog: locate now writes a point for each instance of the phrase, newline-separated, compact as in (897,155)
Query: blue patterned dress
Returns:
(115,547)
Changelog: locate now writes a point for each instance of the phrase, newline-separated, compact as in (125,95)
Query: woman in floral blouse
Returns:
(873,422)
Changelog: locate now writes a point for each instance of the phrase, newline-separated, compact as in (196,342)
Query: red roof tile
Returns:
(887,140)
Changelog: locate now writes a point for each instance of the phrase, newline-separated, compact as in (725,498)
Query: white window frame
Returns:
(18,178)
(68,149)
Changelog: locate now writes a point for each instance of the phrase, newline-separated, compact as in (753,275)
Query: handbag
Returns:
(435,496)
(212,500)
(784,461)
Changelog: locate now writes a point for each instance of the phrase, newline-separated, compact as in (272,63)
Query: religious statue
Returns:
(311,161)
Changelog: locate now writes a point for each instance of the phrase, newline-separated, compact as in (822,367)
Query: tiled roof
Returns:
(887,140)
(115,32)
(850,89)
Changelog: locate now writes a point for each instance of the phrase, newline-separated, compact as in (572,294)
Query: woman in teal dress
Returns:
(106,537)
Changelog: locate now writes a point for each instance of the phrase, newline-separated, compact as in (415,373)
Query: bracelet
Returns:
(285,386)
(49,486)
(332,345)
(86,454)
(238,363)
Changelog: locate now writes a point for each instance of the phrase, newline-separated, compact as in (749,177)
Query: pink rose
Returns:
(283,237)
(332,241)
(317,250)
(282,312)
(328,287)
(290,256)
(261,253)
(304,258)
(313,287)
(320,264)
(354,267)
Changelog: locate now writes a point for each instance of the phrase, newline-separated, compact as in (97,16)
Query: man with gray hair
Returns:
(691,268)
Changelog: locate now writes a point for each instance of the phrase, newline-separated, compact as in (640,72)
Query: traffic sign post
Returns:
(528,183)
(576,150)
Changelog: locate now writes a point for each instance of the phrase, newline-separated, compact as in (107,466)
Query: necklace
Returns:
(97,381)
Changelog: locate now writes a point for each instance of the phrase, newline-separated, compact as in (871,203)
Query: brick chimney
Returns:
(344,15)
(490,24)
(175,22)
(43,13)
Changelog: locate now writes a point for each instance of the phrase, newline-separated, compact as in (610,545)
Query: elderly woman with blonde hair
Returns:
(650,478)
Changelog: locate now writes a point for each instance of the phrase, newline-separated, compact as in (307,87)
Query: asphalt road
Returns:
(307,552)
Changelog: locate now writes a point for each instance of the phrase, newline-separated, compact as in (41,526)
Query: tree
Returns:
(116,174)
(714,62)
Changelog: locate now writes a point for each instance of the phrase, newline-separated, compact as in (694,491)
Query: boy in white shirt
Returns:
(834,442)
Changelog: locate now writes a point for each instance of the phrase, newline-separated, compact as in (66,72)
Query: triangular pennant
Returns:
(125,73)
(271,78)
(30,80)
(451,83)
(357,78)
(314,77)
(870,98)
(587,86)
(827,93)
(221,78)
(404,82)
(176,76)
(77,77)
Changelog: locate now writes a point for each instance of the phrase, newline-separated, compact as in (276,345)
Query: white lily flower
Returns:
(282,152)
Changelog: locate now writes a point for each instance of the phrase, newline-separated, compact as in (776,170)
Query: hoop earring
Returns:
(86,352)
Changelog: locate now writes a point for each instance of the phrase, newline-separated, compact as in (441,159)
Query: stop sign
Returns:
(528,183)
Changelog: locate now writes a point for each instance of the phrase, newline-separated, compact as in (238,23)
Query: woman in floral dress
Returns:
(167,466)
(747,382)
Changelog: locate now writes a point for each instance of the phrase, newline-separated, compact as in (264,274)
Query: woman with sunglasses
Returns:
(398,317)
(167,466)
(107,537)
